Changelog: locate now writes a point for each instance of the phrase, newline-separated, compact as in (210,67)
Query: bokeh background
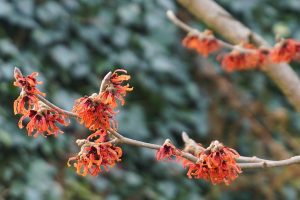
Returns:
(74,43)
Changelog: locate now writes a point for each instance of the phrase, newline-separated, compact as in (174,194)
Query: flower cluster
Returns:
(42,120)
(93,113)
(27,99)
(114,88)
(98,151)
(93,157)
(243,56)
(97,113)
(216,163)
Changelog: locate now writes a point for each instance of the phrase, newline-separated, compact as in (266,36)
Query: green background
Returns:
(75,43)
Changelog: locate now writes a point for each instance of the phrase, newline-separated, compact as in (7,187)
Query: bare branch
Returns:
(252,159)
(178,22)
(247,162)
(265,164)
(243,162)
(132,142)
(54,107)
(223,23)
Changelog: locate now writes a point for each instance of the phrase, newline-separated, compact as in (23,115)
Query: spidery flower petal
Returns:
(93,158)
(115,89)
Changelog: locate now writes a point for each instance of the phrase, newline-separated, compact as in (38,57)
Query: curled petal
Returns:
(43,122)
(217,165)
(93,158)
(93,113)
(114,89)
(167,150)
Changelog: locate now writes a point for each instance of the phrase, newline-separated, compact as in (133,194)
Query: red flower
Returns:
(114,89)
(24,103)
(99,136)
(27,99)
(94,156)
(94,114)
(242,59)
(166,151)
(43,122)
(285,51)
(204,43)
(28,83)
(216,164)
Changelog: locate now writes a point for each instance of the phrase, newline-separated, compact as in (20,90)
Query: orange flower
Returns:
(27,84)
(94,114)
(114,89)
(285,51)
(216,164)
(27,99)
(239,59)
(166,151)
(43,120)
(204,43)
(94,156)
(24,103)
(99,136)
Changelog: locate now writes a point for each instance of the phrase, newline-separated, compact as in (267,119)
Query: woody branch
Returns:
(223,23)
(243,162)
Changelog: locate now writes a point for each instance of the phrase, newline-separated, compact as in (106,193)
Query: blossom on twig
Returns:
(285,51)
(43,122)
(167,150)
(217,164)
(28,83)
(93,113)
(27,99)
(24,103)
(93,157)
(114,89)
(203,42)
(243,57)
(98,136)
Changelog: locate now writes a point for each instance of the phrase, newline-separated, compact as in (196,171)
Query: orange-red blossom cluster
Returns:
(42,119)
(216,163)
(242,56)
(97,112)
(92,158)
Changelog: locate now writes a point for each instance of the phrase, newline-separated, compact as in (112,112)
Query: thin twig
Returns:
(252,159)
(104,82)
(132,142)
(278,163)
(247,162)
(58,109)
(179,23)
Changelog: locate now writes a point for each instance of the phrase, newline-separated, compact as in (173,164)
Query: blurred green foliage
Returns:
(74,43)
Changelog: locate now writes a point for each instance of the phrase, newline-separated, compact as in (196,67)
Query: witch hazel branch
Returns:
(102,149)
(243,56)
